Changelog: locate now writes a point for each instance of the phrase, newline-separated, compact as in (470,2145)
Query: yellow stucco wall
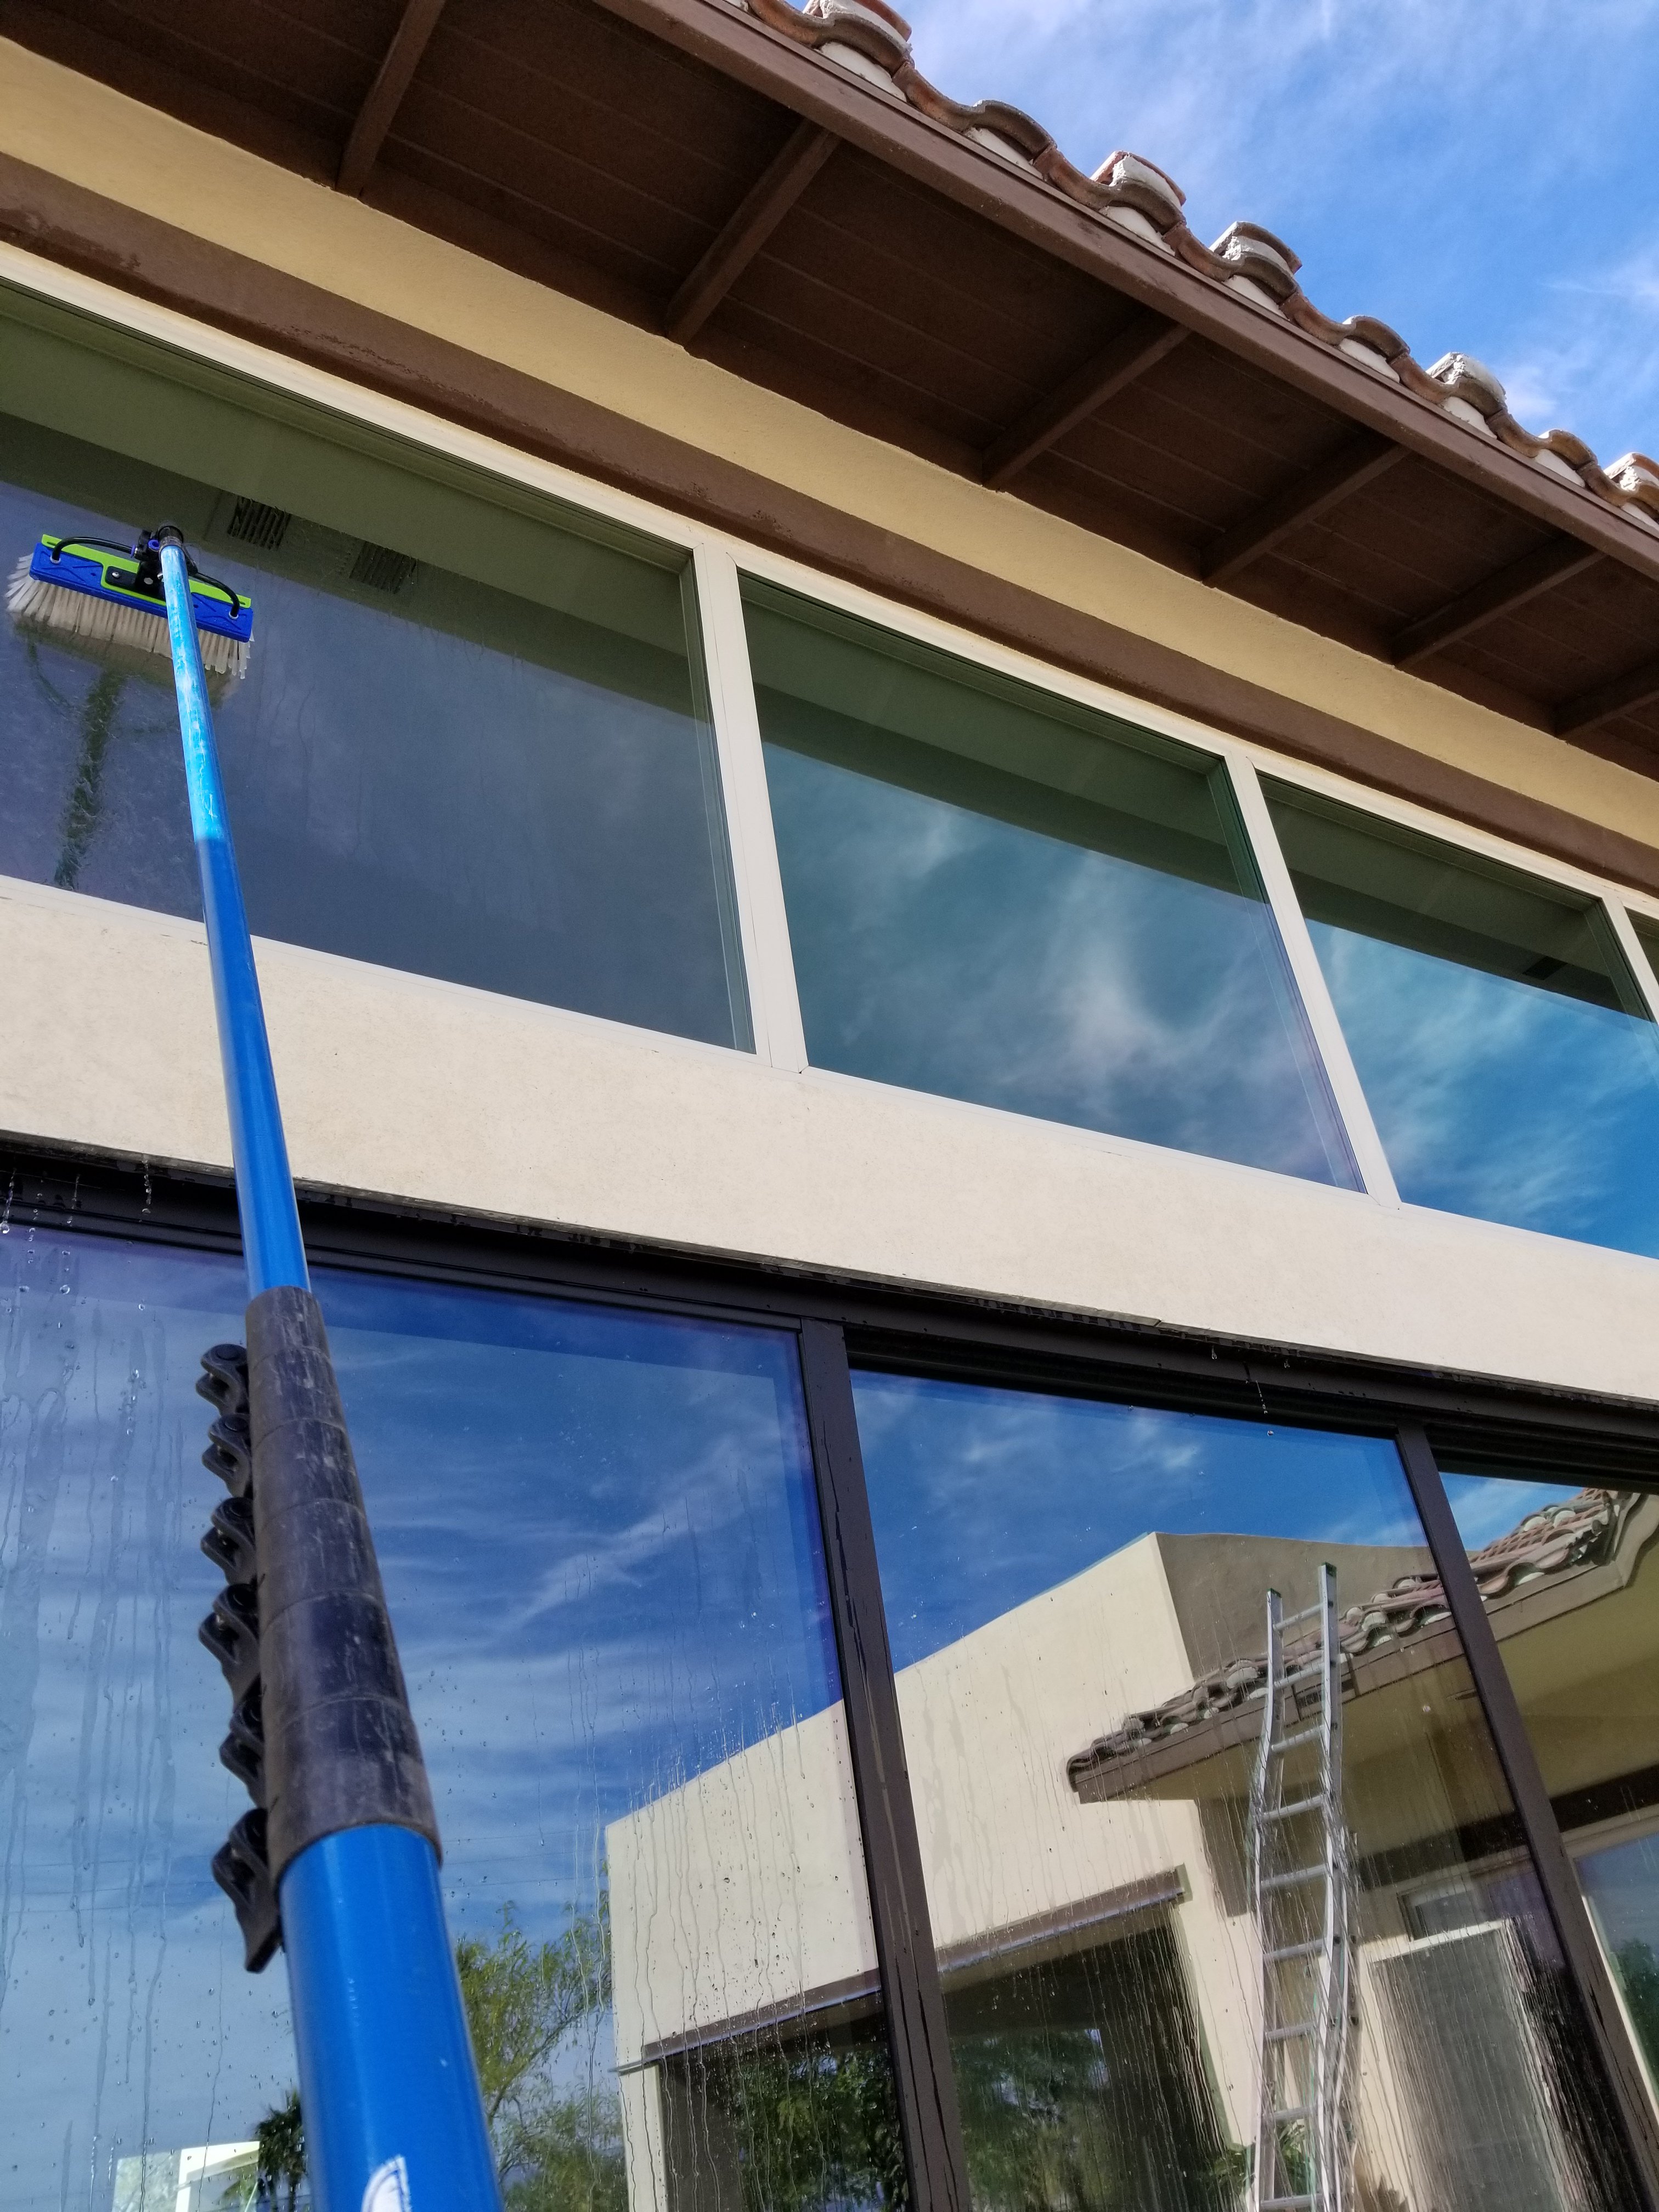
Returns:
(68,125)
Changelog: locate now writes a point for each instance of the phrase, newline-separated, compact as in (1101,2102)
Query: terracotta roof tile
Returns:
(872,41)
(1580,1531)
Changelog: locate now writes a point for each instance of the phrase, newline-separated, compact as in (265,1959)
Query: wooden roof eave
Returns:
(1023,203)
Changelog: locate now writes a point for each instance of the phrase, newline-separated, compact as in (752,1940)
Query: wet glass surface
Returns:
(1197,1920)
(480,753)
(1510,1067)
(1000,897)
(1569,1577)
(598,1538)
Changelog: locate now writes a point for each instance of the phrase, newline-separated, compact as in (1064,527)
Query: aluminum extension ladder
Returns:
(1301,1884)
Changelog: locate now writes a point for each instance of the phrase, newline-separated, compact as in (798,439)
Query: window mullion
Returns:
(1556,1878)
(774,1003)
(923,2078)
(1641,968)
(1329,1043)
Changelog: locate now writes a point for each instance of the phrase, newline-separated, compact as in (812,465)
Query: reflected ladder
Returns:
(1301,1892)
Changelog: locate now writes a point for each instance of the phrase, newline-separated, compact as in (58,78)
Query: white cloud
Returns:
(1593,354)
(1444,166)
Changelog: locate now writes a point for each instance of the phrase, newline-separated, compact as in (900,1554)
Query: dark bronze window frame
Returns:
(1431,1413)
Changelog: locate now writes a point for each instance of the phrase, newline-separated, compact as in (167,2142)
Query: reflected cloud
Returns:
(984,1498)
(1496,1098)
(952,953)
(600,1541)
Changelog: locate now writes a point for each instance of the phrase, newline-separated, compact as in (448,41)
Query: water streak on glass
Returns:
(1569,1577)
(1079,1598)
(1508,1060)
(998,896)
(600,1547)
(480,751)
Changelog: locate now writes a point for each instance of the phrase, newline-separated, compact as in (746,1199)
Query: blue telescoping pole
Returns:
(394,2117)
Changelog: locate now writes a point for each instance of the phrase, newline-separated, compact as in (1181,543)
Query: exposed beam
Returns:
(1129,354)
(1638,687)
(1499,594)
(386,95)
(763,207)
(1026,206)
(1359,462)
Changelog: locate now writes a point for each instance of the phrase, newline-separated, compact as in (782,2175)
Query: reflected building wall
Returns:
(1038,1856)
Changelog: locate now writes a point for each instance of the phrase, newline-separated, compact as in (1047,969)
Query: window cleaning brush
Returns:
(101,593)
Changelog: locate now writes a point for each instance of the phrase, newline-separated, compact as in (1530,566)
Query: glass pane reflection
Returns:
(1569,1577)
(998,896)
(478,751)
(1078,1599)
(598,1538)
(1511,1066)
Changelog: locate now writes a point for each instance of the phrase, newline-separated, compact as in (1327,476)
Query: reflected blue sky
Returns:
(1495,1097)
(400,793)
(1487,1506)
(981,1499)
(599,1540)
(123,2008)
(951,951)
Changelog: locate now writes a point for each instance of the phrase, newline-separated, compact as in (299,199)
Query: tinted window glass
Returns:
(598,1538)
(1511,1066)
(998,896)
(1200,1918)
(471,741)
(1571,1578)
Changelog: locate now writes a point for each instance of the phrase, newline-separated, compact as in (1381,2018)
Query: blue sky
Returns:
(1482,178)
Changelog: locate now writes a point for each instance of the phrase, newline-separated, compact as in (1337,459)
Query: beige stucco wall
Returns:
(399,1085)
(67,123)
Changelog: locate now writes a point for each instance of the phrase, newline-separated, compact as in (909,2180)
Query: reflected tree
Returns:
(557,2130)
(1083,2088)
(803,2127)
(559,2140)
(1044,2133)
(280,2166)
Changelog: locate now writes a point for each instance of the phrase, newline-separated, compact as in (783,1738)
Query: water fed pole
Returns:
(338,1862)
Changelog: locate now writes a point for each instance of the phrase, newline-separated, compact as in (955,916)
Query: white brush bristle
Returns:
(97,622)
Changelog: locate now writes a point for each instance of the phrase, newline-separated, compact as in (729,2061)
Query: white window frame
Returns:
(719,560)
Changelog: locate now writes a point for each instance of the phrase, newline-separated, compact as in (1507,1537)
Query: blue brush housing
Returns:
(76,564)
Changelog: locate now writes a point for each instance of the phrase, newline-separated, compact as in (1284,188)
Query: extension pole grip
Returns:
(393,2118)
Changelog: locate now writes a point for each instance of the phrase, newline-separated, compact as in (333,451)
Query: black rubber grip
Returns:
(340,1747)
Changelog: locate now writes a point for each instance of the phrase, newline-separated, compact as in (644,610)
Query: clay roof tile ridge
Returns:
(1139,198)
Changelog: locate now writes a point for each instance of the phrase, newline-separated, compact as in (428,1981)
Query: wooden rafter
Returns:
(1637,687)
(385,95)
(1314,492)
(1500,594)
(1133,350)
(762,208)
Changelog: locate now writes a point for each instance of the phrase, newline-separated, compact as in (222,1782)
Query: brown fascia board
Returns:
(108,238)
(1017,200)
